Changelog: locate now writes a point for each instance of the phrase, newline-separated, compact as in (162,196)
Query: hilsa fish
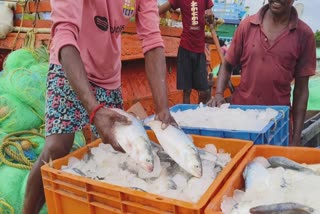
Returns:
(254,172)
(134,141)
(179,147)
(282,208)
(279,161)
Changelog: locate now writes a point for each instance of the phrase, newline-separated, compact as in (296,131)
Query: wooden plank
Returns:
(44,6)
(131,45)
(29,23)
(165,30)
(8,43)
(130,28)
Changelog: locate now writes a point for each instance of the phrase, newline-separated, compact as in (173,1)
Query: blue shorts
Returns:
(64,111)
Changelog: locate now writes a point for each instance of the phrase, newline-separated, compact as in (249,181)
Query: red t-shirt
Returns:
(192,37)
(267,71)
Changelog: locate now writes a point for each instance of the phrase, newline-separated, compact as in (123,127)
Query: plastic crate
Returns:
(68,194)
(276,131)
(236,181)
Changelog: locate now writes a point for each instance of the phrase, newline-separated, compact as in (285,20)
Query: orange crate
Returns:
(66,193)
(236,181)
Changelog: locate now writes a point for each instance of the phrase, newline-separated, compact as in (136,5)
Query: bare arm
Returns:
(76,74)
(164,7)
(223,79)
(156,73)
(299,107)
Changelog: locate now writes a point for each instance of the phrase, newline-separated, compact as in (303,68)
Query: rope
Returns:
(4,204)
(30,40)
(275,124)
(6,150)
(21,23)
(283,113)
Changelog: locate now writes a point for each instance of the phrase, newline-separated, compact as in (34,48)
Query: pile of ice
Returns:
(225,118)
(273,186)
(167,179)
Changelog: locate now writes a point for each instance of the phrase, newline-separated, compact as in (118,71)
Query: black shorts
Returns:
(192,70)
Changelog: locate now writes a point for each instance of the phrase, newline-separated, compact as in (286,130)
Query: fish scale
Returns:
(179,147)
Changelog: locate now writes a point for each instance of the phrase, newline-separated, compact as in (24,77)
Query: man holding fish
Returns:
(84,76)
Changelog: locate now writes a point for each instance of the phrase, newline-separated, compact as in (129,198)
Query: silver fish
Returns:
(254,171)
(137,188)
(282,208)
(78,171)
(134,141)
(278,161)
(179,147)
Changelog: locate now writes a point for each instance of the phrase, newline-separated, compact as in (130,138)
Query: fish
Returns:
(278,161)
(254,172)
(179,147)
(282,208)
(78,171)
(156,147)
(134,140)
(137,188)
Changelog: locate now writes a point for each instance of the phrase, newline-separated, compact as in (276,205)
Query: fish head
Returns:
(145,155)
(147,163)
(195,166)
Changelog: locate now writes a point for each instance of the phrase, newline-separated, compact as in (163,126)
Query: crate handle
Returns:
(275,124)
(283,113)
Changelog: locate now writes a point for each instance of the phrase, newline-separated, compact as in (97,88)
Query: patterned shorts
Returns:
(64,111)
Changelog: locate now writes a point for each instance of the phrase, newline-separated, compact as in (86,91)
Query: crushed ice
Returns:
(167,179)
(225,118)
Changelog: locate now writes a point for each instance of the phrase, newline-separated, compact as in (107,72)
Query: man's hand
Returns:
(104,121)
(209,17)
(216,101)
(166,118)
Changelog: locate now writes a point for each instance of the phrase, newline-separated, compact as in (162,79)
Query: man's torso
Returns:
(192,11)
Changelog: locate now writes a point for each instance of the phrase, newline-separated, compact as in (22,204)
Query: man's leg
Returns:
(56,146)
(186,96)
(184,74)
(200,78)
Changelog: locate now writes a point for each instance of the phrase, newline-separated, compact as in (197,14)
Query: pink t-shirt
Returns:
(94,27)
(192,37)
(268,70)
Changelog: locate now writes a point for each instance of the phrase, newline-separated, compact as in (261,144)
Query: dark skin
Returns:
(202,94)
(275,22)
(60,145)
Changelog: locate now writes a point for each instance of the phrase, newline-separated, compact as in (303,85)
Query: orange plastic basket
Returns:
(236,181)
(66,193)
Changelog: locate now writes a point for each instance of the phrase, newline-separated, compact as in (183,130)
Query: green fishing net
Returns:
(17,116)
(28,85)
(11,180)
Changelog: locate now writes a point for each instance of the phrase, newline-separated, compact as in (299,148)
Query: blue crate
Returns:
(275,133)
